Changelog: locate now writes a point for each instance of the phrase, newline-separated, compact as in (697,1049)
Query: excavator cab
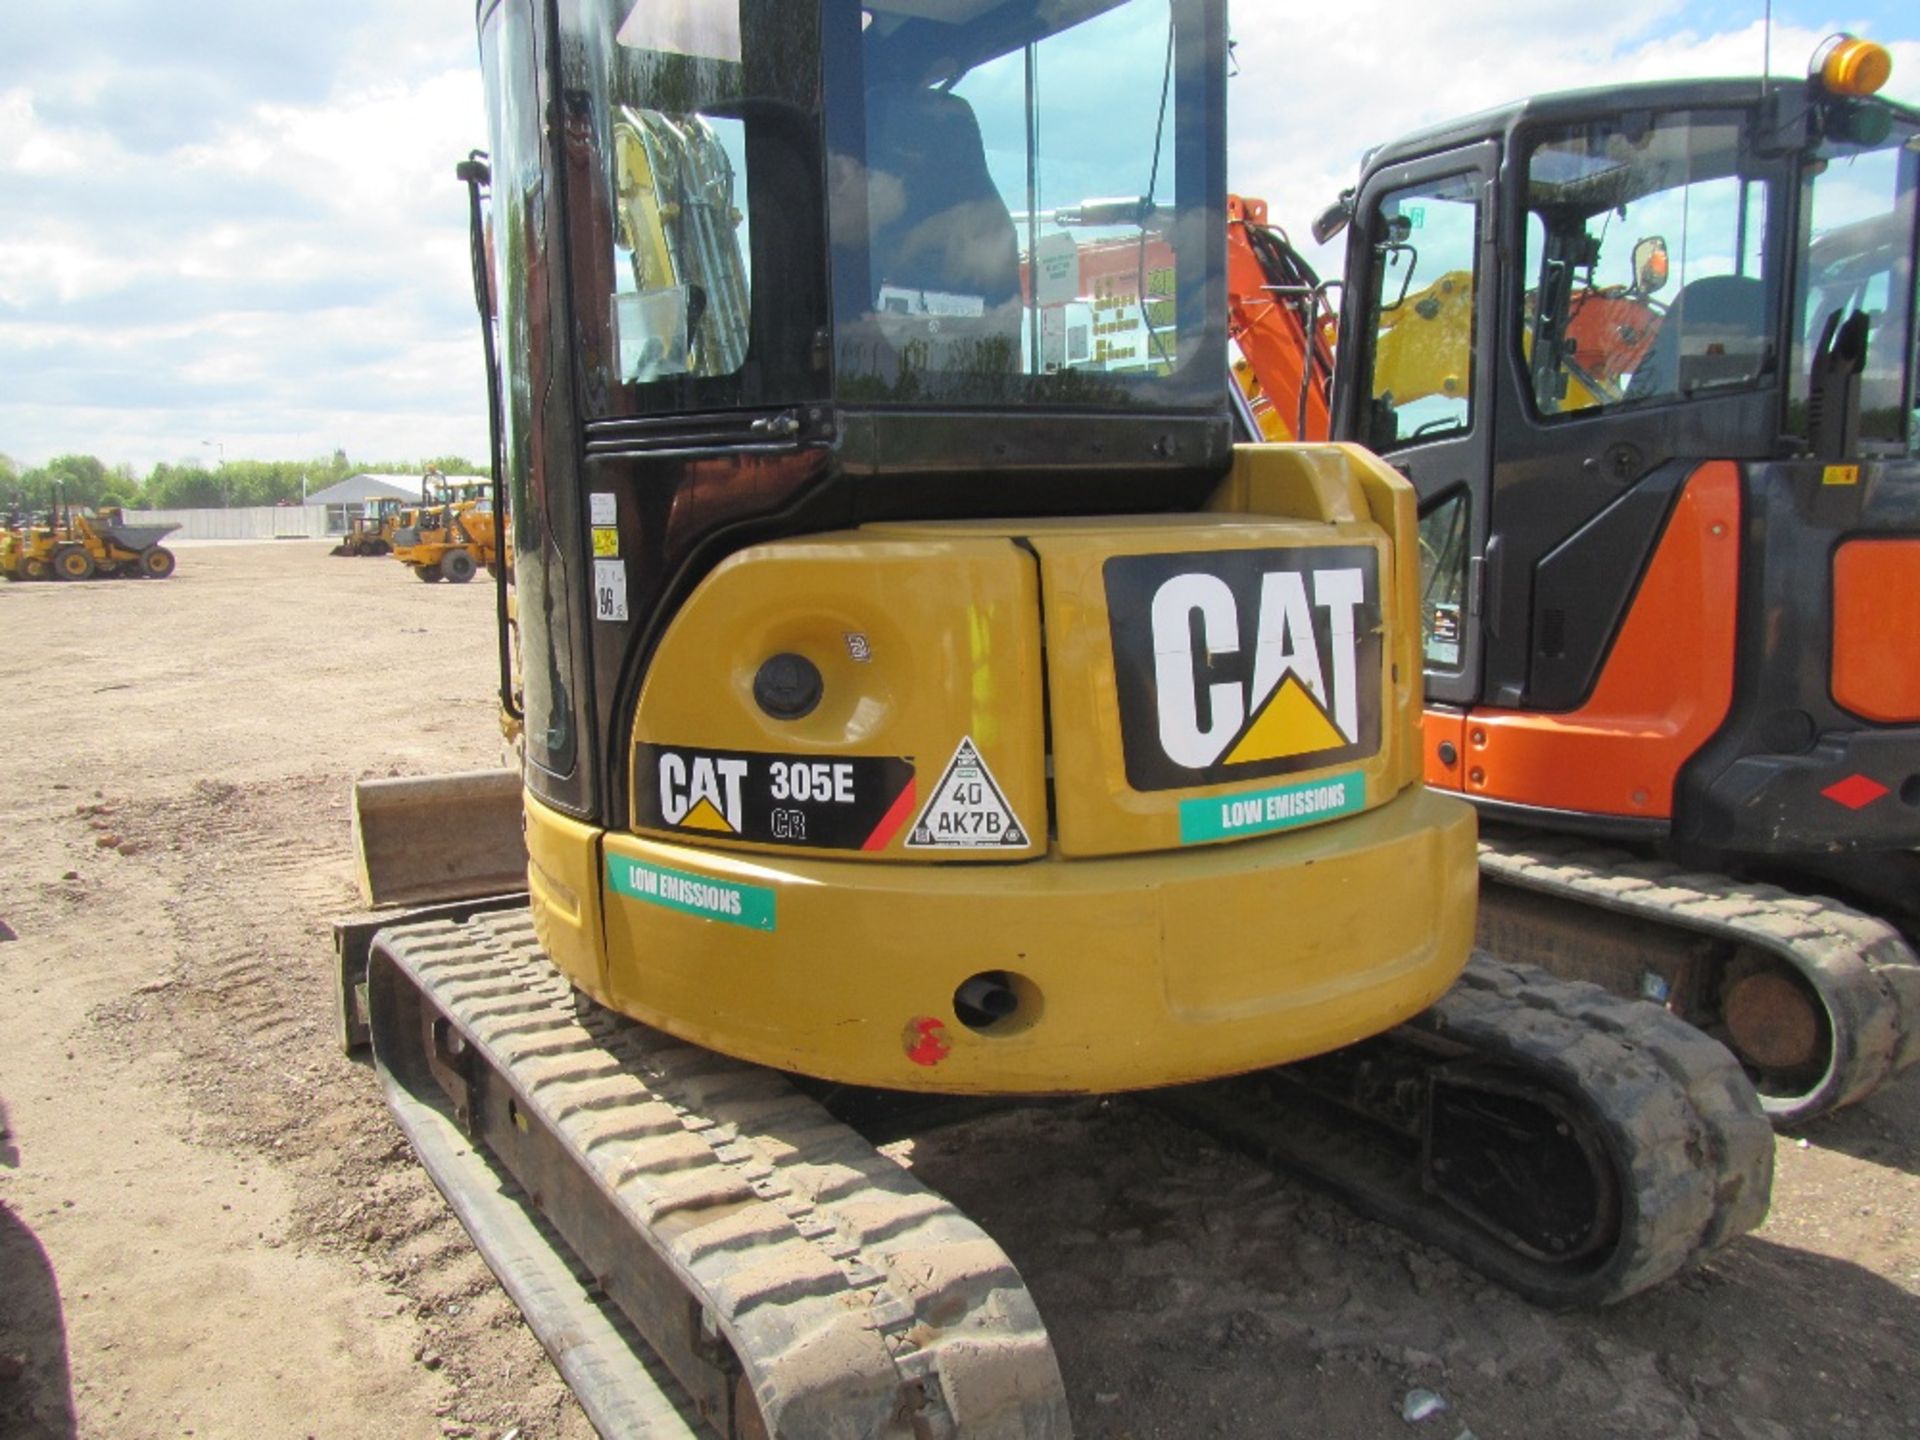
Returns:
(1701,272)
(1655,383)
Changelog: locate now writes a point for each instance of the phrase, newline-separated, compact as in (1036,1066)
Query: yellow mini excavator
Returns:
(923,697)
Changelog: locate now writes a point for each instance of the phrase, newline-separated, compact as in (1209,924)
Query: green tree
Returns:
(183,487)
(454,465)
(72,479)
(123,488)
(262,482)
(84,480)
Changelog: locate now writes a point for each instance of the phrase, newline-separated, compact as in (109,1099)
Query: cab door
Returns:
(1414,384)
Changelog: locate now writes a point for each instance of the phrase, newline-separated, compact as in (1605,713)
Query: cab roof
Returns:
(1571,106)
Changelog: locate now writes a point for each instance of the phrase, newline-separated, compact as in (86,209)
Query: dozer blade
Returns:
(428,838)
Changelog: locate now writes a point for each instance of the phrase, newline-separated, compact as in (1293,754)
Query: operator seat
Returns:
(936,222)
(1715,331)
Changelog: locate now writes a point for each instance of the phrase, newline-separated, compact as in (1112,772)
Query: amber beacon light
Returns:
(1848,65)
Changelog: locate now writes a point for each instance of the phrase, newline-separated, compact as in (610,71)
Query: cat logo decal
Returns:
(1235,664)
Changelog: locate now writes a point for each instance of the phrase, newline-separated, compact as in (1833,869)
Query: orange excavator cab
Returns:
(1648,357)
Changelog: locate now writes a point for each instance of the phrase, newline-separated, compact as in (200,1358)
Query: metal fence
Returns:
(246,522)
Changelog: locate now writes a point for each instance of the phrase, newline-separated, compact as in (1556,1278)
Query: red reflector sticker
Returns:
(927,1042)
(1854,792)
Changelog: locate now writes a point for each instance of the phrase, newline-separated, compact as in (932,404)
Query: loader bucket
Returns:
(428,838)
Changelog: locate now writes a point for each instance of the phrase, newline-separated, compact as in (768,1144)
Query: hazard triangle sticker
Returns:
(967,810)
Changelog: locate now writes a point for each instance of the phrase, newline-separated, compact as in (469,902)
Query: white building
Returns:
(351,497)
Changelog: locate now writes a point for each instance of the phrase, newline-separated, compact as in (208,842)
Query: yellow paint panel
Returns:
(1293,482)
(921,640)
(564,888)
(1132,971)
(1096,810)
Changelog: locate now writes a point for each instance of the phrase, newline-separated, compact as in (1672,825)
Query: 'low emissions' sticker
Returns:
(749,906)
(1256,812)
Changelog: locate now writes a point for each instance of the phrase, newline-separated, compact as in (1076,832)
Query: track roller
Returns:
(1820,1002)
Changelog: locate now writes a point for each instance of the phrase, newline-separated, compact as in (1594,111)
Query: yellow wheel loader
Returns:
(449,536)
(920,698)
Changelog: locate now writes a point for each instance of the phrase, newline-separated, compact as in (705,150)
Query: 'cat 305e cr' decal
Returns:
(1233,664)
(853,802)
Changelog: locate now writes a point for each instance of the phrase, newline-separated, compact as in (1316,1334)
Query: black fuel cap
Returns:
(788,686)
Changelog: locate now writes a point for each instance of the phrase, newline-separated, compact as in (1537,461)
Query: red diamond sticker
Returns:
(1854,792)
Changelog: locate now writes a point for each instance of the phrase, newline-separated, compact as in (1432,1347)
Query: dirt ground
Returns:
(208,1227)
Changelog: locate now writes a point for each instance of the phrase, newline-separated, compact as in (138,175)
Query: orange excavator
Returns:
(1280,329)
(1647,355)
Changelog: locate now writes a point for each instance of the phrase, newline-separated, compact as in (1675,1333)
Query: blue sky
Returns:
(234,226)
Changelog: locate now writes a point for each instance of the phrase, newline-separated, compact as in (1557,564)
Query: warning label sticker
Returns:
(1443,635)
(609,589)
(967,811)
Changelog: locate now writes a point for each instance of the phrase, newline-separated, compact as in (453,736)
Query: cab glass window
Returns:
(1444,539)
(1859,239)
(1420,340)
(690,133)
(520,197)
(682,287)
(1003,229)
(1648,276)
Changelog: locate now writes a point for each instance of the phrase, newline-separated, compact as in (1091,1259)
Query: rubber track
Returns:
(1862,968)
(858,1302)
(1691,1150)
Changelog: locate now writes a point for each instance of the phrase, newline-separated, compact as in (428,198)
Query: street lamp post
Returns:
(220,447)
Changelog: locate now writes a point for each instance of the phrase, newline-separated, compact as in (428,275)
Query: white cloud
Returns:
(243,224)
(29,147)
(292,277)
